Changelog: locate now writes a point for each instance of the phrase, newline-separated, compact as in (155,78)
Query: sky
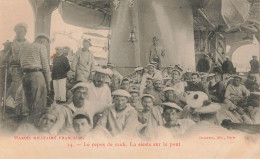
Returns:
(15,11)
(243,55)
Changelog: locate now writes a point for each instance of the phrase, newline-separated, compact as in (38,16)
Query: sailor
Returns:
(99,92)
(168,71)
(47,120)
(176,82)
(235,99)
(36,75)
(60,69)
(78,103)
(121,117)
(150,117)
(203,64)
(83,62)
(152,73)
(255,68)
(171,96)
(81,124)
(12,57)
(175,125)
(196,85)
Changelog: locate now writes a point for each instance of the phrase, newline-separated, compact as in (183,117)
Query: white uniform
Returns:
(82,64)
(99,97)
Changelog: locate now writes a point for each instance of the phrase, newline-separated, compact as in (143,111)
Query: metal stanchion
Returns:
(5,91)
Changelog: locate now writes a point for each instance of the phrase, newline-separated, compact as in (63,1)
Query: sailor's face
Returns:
(80,95)
(66,51)
(120,102)
(217,78)
(81,126)
(134,97)
(86,44)
(59,51)
(149,83)
(20,32)
(158,85)
(236,81)
(171,116)
(147,103)
(175,75)
(169,95)
(99,79)
(150,69)
(46,122)
(195,79)
(125,85)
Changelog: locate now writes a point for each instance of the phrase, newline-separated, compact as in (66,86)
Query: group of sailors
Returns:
(98,100)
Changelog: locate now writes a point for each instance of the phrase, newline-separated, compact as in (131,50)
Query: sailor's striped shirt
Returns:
(34,56)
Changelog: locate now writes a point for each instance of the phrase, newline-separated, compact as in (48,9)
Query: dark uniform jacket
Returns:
(227,67)
(197,87)
(203,65)
(61,67)
(254,66)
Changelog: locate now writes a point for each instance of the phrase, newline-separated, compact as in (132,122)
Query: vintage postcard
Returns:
(107,79)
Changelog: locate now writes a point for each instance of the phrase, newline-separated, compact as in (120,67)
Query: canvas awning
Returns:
(235,12)
(83,17)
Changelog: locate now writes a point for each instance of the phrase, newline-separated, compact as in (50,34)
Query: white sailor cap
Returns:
(179,67)
(240,75)
(24,25)
(121,92)
(196,73)
(134,90)
(150,64)
(154,63)
(203,75)
(211,75)
(43,35)
(147,95)
(172,105)
(177,70)
(80,84)
(168,89)
(103,70)
(139,68)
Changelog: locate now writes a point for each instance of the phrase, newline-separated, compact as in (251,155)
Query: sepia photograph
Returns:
(108,79)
